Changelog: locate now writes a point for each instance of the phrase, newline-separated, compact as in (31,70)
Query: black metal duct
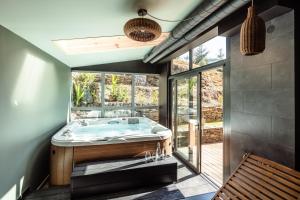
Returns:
(201,12)
(188,30)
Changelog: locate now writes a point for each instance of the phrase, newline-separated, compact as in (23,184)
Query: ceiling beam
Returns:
(135,66)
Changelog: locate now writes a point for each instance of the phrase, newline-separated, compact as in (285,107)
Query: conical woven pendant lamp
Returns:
(253,34)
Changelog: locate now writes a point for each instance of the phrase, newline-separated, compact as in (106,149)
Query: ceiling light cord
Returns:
(166,20)
(143,12)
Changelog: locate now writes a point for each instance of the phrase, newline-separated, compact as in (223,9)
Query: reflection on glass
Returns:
(151,113)
(86,89)
(146,90)
(118,89)
(180,64)
(209,52)
(117,113)
(186,119)
(173,105)
(148,157)
(82,114)
(212,124)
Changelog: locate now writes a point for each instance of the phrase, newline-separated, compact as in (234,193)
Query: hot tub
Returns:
(102,139)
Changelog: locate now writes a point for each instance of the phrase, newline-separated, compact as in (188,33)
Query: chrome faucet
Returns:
(67,133)
(83,123)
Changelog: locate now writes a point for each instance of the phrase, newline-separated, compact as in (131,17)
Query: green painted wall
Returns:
(34,96)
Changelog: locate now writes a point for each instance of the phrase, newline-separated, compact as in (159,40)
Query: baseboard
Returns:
(42,184)
(25,193)
(29,190)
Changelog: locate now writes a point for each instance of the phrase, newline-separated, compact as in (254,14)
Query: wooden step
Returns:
(113,176)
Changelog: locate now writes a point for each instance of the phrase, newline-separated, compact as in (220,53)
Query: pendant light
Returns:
(253,34)
(142,29)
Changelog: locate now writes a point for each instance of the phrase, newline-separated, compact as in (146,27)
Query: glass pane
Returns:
(182,117)
(82,114)
(186,120)
(149,113)
(117,113)
(173,105)
(146,90)
(86,89)
(180,64)
(118,89)
(209,52)
(212,124)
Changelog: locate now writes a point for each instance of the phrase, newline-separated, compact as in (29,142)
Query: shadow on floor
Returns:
(189,186)
(207,196)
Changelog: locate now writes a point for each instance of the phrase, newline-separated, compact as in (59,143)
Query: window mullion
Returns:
(133,95)
(102,94)
(190,59)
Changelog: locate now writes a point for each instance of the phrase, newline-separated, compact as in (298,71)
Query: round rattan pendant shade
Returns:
(142,29)
(253,34)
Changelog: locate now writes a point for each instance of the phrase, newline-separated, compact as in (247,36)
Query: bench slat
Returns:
(250,188)
(271,181)
(259,178)
(235,192)
(229,194)
(266,185)
(275,171)
(257,186)
(242,190)
(274,176)
(277,166)
(223,196)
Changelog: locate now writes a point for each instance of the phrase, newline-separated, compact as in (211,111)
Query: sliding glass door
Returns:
(185,119)
(197,121)
(197,107)
(212,124)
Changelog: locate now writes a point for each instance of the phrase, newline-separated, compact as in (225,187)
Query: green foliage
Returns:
(85,89)
(117,92)
(199,56)
(114,84)
(122,95)
(78,94)
(154,96)
(192,83)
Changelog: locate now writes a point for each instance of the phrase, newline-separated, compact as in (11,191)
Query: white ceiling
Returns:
(42,21)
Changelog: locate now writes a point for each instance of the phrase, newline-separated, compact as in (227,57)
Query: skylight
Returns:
(100,44)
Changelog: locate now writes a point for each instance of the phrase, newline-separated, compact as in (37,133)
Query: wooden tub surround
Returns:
(64,158)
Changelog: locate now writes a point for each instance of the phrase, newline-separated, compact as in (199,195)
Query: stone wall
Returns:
(262,96)
(212,114)
(212,135)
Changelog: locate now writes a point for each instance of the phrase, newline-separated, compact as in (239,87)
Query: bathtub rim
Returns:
(160,135)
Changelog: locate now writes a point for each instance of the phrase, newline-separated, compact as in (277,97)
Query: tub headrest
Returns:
(157,129)
(133,121)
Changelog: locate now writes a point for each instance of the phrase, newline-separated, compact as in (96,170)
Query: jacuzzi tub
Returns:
(110,131)
(104,139)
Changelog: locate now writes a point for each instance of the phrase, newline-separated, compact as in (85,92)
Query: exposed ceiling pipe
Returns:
(199,14)
(192,33)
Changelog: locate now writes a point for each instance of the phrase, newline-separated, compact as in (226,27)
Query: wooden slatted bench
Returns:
(259,178)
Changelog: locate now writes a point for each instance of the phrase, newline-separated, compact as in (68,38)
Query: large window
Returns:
(86,89)
(209,52)
(180,64)
(118,89)
(97,95)
(146,90)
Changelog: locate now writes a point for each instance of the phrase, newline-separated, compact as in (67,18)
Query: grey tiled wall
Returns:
(262,96)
